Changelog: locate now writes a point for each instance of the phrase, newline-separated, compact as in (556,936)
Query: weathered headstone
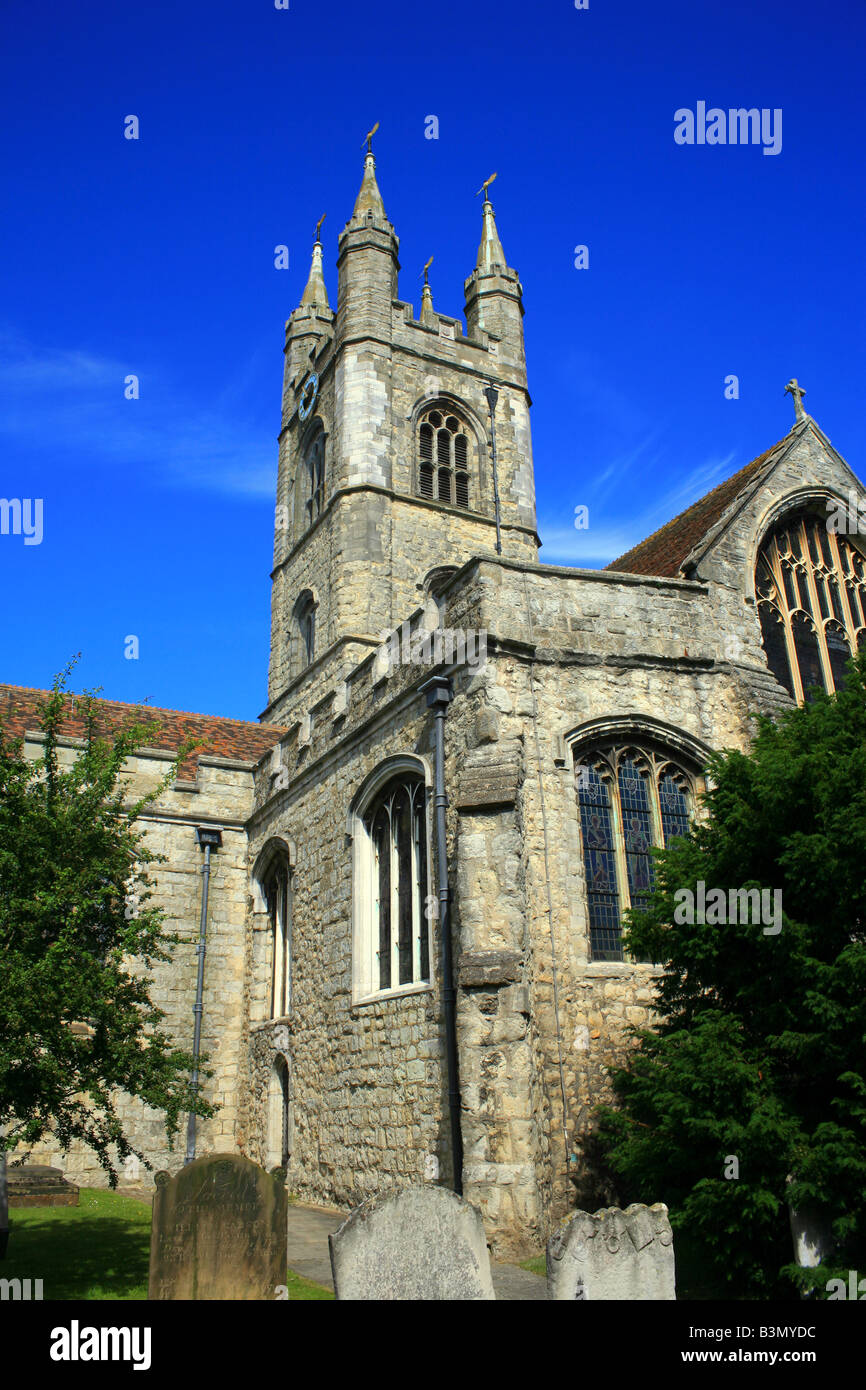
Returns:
(421,1243)
(218,1231)
(613,1254)
(34,1185)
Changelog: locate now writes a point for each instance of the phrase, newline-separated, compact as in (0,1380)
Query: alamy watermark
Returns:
(737,906)
(20,1290)
(22,516)
(736,126)
(427,647)
(856,1290)
(847,518)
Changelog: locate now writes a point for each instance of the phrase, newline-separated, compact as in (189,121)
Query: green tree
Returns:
(78,937)
(760,1054)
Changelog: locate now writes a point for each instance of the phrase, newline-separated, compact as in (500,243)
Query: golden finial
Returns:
(318,225)
(485,185)
(368,138)
(424,271)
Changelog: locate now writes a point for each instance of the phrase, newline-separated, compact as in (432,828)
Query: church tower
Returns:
(405,448)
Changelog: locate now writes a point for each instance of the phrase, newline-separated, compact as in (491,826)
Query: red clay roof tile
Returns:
(664,551)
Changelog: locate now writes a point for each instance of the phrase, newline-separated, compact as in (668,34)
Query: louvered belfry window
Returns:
(810,584)
(443,457)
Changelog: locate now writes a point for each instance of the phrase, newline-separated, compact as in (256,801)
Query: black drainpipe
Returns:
(438,691)
(207,839)
(492,397)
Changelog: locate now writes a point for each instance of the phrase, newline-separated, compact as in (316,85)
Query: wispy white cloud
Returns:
(598,544)
(76,399)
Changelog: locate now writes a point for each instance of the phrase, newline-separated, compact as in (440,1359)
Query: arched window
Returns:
(303,632)
(629,799)
(392,943)
(279,1122)
(314,477)
(443,457)
(811,589)
(277,892)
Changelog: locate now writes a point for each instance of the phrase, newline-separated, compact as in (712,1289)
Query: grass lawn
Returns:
(537,1265)
(97,1250)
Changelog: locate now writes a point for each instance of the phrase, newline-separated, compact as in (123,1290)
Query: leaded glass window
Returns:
(629,799)
(599,855)
(810,584)
(396,829)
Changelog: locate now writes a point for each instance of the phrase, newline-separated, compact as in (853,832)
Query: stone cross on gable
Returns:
(797,391)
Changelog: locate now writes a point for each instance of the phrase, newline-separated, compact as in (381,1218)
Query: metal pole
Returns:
(206,839)
(438,692)
(492,397)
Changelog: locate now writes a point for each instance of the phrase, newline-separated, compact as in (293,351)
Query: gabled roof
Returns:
(664,552)
(21,711)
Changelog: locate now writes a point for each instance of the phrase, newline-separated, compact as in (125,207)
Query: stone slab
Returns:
(34,1185)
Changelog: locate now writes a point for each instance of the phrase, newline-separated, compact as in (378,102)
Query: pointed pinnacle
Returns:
(316,291)
(369,198)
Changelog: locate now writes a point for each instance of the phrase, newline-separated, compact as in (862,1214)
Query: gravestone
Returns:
(421,1243)
(219,1231)
(34,1185)
(613,1254)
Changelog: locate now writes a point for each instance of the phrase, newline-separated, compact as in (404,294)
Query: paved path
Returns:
(309,1228)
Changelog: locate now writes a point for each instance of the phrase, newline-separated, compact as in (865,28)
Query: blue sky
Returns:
(155,257)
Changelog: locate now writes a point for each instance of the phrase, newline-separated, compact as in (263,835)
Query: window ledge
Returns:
(263,1023)
(382,996)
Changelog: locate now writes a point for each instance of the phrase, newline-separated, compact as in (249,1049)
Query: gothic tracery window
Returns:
(629,799)
(392,883)
(811,589)
(443,457)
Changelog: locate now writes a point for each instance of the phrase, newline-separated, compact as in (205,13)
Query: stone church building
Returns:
(576,709)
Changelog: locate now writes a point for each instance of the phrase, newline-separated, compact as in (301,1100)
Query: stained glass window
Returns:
(629,800)
(810,583)
(600,864)
(674,806)
(637,828)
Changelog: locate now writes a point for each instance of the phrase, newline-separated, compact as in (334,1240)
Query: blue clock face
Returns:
(308,395)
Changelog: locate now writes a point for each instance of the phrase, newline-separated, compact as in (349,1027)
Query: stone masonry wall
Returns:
(223,797)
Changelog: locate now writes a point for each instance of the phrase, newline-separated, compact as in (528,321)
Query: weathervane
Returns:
(485,185)
(368,138)
(318,225)
(424,271)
